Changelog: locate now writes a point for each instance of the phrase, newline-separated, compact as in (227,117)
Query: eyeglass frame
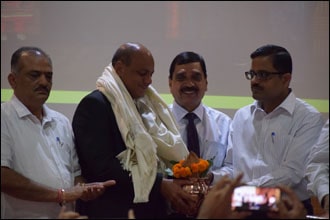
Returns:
(261,75)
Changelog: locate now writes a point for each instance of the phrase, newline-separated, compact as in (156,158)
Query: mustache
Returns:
(42,88)
(257,87)
(189,89)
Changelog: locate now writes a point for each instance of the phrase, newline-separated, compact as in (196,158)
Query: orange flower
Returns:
(191,167)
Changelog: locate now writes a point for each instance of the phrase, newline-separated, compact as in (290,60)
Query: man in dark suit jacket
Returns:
(99,140)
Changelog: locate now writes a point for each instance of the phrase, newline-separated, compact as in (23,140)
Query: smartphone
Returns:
(253,198)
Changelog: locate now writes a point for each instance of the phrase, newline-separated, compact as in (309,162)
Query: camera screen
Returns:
(252,198)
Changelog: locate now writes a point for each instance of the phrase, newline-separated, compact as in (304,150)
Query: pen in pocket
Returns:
(58,140)
(273,137)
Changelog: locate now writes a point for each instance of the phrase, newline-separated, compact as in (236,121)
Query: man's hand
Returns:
(180,200)
(70,214)
(325,206)
(87,191)
(217,203)
(290,207)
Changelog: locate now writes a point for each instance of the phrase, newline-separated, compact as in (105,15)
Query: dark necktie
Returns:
(192,136)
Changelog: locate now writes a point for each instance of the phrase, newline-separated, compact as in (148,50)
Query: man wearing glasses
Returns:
(271,138)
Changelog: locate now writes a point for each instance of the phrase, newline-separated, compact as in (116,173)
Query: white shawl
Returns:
(150,134)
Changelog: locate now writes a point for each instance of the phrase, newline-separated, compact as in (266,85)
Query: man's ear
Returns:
(169,82)
(118,66)
(12,80)
(287,78)
(207,83)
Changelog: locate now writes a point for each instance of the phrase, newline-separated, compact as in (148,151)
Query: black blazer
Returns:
(98,141)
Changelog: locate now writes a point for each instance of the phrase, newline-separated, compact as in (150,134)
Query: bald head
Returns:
(125,51)
(134,65)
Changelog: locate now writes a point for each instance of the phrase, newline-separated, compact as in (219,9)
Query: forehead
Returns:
(34,61)
(195,67)
(262,63)
(142,60)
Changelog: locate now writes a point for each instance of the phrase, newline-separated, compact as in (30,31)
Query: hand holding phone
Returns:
(257,199)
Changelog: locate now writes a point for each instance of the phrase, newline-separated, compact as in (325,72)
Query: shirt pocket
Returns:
(279,150)
(214,149)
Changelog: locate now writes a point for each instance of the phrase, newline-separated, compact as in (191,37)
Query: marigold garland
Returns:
(196,167)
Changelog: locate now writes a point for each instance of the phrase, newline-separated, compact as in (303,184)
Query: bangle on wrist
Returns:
(60,196)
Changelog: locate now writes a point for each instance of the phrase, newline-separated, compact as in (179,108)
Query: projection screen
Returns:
(81,38)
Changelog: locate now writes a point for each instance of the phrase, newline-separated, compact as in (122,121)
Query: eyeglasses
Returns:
(262,75)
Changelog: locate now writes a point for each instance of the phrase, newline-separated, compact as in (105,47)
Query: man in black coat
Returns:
(114,140)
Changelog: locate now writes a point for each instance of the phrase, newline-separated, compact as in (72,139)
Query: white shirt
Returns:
(213,130)
(272,149)
(317,170)
(43,152)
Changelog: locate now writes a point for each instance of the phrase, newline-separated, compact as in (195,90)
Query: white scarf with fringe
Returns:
(149,133)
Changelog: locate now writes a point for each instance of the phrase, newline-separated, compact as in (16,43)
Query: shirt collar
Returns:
(181,112)
(23,111)
(288,104)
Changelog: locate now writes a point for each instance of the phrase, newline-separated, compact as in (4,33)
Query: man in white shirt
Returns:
(188,84)
(39,164)
(270,139)
(317,170)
